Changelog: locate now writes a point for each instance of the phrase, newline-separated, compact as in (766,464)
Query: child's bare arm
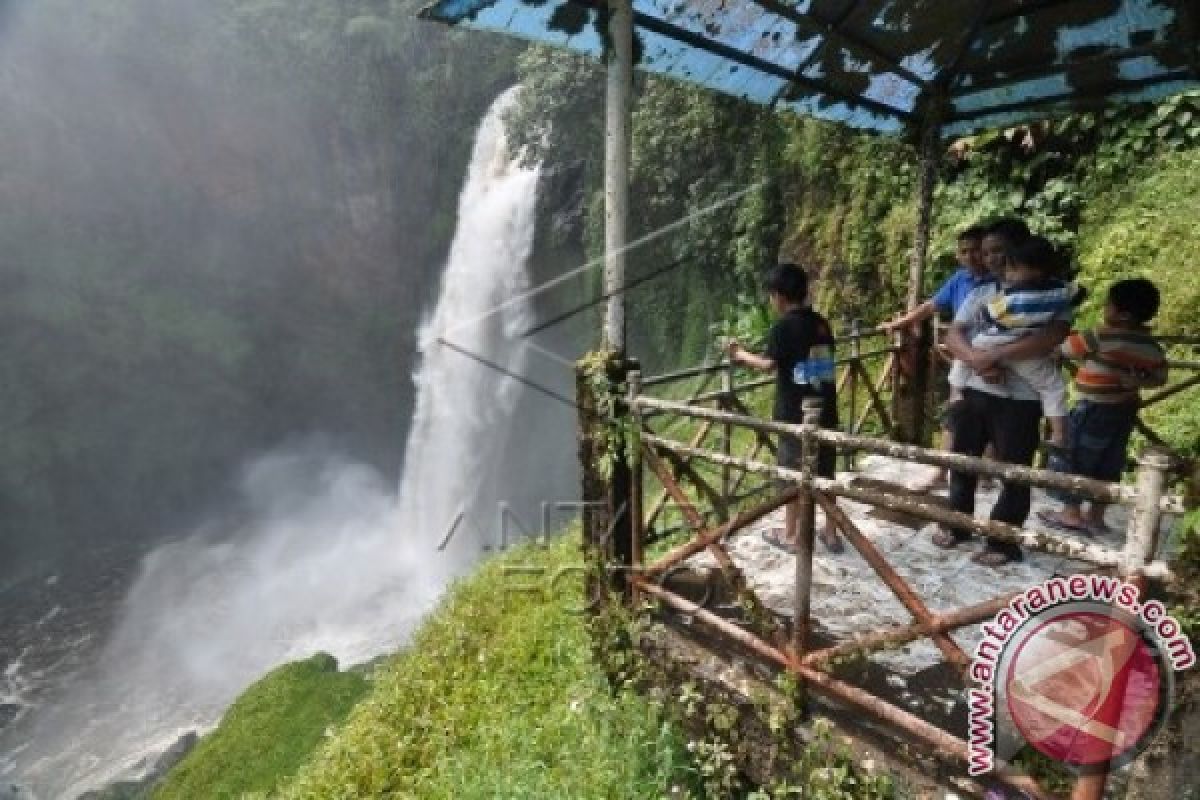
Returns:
(740,355)
(918,314)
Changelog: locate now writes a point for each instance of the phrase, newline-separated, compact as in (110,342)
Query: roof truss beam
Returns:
(656,25)
(1095,96)
(1025,10)
(1018,71)
(850,42)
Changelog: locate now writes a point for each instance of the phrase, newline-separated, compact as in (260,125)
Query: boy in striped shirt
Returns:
(1116,360)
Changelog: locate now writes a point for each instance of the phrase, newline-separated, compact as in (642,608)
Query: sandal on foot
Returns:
(945,540)
(774,536)
(832,542)
(993,558)
(1053,520)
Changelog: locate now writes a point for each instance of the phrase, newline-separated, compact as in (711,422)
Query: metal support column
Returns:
(616,167)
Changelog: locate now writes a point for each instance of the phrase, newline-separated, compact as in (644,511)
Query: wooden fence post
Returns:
(912,386)
(805,534)
(604,418)
(852,385)
(727,378)
(1141,545)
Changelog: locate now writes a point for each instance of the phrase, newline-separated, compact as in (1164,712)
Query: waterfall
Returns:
(454,474)
(323,555)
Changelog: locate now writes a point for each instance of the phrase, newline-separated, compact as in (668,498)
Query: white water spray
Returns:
(467,386)
(324,556)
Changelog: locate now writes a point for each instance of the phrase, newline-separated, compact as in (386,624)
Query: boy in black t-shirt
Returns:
(800,352)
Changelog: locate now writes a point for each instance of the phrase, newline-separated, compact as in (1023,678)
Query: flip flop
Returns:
(1052,520)
(774,536)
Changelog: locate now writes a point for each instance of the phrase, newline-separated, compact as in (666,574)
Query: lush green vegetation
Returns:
(498,696)
(272,728)
(1116,188)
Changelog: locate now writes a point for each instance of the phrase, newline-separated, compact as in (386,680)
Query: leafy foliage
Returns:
(710,213)
(498,696)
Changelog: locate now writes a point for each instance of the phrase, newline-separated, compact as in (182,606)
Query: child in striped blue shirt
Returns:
(1031,298)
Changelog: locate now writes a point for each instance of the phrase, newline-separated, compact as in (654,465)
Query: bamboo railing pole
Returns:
(855,350)
(633,450)
(685,468)
(683,526)
(805,533)
(869,642)
(1170,391)
(663,498)
(737,484)
(904,593)
(1141,544)
(1034,540)
(763,439)
(704,540)
(727,439)
(897,380)
(875,400)
(1087,487)
(943,744)
(733,575)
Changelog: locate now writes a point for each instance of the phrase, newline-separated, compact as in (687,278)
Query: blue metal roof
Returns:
(884,65)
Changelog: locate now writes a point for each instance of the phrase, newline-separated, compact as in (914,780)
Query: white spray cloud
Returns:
(323,555)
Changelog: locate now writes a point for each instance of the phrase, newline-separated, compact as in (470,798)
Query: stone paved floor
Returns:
(848,597)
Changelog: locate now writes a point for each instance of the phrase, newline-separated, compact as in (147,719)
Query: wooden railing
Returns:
(704,482)
(866,382)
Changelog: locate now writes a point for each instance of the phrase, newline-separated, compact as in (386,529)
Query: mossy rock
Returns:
(268,732)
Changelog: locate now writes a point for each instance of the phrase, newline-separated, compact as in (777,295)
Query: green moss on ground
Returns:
(498,696)
(269,731)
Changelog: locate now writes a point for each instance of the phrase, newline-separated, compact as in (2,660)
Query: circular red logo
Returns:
(1084,686)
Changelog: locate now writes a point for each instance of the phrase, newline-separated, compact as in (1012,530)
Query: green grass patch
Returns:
(498,696)
(269,731)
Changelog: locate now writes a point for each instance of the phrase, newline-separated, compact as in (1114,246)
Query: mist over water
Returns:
(320,553)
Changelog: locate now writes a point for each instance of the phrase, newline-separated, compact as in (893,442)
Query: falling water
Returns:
(323,555)
(469,381)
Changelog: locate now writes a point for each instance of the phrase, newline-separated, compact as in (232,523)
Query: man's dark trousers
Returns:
(1012,428)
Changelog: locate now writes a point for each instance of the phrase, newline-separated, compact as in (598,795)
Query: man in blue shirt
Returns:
(971,274)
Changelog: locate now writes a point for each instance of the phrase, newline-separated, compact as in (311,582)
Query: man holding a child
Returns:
(1007,338)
